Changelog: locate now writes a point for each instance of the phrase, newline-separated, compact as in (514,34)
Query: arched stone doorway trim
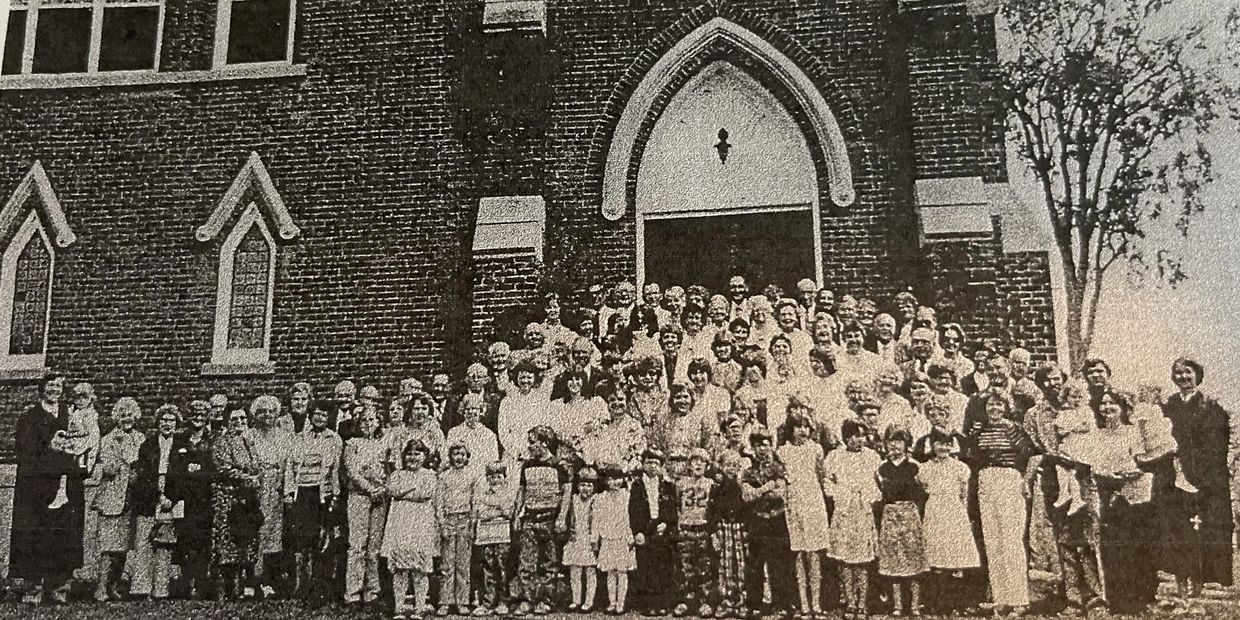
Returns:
(628,129)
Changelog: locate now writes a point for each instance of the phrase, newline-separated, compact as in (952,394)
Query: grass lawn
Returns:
(286,610)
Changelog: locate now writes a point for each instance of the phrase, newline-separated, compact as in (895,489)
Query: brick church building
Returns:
(231,195)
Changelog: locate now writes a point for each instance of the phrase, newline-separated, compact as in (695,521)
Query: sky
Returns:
(1142,328)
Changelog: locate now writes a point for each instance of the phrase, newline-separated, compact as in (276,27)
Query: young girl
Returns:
(806,512)
(453,508)
(579,551)
(950,547)
(493,510)
(81,439)
(1072,426)
(850,479)
(902,544)
(613,541)
(410,538)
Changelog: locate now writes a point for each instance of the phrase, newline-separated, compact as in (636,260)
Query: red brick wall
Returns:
(383,148)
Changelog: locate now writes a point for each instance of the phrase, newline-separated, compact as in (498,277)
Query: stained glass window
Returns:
(247,322)
(30,298)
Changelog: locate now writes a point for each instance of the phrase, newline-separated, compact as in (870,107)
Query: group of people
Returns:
(727,455)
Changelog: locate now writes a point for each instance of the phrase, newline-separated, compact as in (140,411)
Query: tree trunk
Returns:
(1078,340)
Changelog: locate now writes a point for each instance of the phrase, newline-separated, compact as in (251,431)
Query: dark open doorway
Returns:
(764,247)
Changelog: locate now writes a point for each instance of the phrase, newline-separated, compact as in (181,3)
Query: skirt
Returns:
(616,555)
(901,542)
(229,549)
(853,539)
(579,553)
(410,538)
(1003,534)
(304,520)
(115,533)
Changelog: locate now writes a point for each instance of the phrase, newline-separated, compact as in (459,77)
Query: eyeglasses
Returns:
(238,419)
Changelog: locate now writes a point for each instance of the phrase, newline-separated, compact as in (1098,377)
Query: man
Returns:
(921,348)
(738,298)
(906,310)
(218,418)
(535,342)
(807,292)
(882,340)
(652,296)
(477,381)
(441,392)
(553,326)
(622,302)
(673,362)
(340,409)
(999,379)
(1021,363)
(46,543)
(674,304)
(979,379)
(1097,375)
(761,327)
(581,357)
(951,351)
(499,360)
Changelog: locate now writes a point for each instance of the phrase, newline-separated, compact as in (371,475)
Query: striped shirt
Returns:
(1002,444)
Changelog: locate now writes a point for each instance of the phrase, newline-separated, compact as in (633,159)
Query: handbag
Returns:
(246,517)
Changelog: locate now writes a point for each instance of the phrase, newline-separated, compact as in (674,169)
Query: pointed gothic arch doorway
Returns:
(702,218)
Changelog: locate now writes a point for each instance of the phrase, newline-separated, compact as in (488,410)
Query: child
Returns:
(850,480)
(494,507)
(453,507)
(652,518)
(950,546)
(940,421)
(543,498)
(613,542)
(806,509)
(80,439)
(693,492)
(579,551)
(902,544)
(410,538)
(726,519)
(762,489)
(1072,425)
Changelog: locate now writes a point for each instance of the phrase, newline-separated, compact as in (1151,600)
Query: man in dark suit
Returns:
(652,516)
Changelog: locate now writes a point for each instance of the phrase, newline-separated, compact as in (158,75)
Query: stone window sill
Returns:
(142,78)
(212,369)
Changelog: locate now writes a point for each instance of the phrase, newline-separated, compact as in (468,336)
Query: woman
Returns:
(1124,490)
(300,401)
(686,428)
(1059,543)
(951,353)
(190,482)
(46,543)
(236,515)
(521,409)
(365,459)
(617,439)
(420,423)
(713,402)
(117,453)
(1001,452)
(311,488)
(573,413)
(648,399)
(272,450)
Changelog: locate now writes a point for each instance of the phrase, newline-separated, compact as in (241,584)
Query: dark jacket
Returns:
(144,489)
(639,508)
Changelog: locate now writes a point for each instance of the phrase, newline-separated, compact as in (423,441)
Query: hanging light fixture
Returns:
(722,146)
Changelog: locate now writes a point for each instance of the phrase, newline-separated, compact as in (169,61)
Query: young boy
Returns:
(542,511)
(652,515)
(762,488)
(494,506)
(725,371)
(693,492)
(454,508)
(725,516)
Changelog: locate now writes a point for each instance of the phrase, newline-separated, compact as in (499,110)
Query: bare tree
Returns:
(1109,101)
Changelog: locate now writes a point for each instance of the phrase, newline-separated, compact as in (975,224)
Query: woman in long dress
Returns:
(272,447)
(234,504)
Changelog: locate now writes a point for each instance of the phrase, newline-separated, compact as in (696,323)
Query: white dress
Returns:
(851,483)
(806,508)
(949,534)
